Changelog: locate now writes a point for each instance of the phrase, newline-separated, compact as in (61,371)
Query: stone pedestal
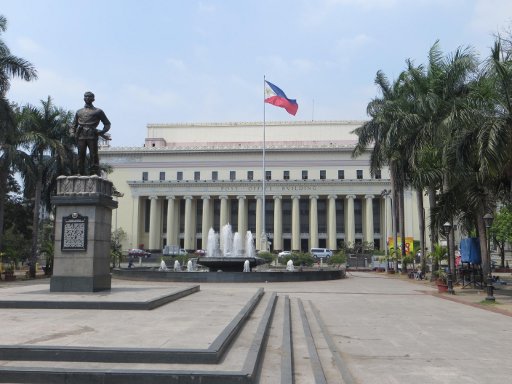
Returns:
(82,234)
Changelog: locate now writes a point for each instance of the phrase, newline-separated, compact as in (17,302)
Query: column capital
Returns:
(277,197)
(332,197)
(170,197)
(295,197)
(350,197)
(223,197)
(205,197)
(369,196)
(153,197)
(313,197)
(188,197)
(241,197)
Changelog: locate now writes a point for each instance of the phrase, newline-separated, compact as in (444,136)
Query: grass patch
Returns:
(487,302)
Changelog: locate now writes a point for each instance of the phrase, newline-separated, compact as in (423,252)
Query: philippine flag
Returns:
(275,96)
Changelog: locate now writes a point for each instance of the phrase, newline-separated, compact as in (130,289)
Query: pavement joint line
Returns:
(487,307)
(212,355)
(314,359)
(287,368)
(336,353)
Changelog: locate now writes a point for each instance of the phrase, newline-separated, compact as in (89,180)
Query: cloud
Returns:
(28,45)
(146,97)
(206,7)
(491,16)
(177,64)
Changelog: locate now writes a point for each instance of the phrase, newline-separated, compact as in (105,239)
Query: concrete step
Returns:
(239,363)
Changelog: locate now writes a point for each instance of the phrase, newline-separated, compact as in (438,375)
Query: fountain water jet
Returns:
(231,253)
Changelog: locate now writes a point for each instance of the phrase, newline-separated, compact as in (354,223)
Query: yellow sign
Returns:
(409,244)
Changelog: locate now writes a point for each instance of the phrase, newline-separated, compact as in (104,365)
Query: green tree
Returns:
(44,131)
(501,230)
(11,66)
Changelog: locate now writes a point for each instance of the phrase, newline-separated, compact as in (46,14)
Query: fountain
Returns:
(163,266)
(247,266)
(190,266)
(289,266)
(177,266)
(228,253)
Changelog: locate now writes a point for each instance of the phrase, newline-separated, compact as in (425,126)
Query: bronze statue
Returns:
(86,121)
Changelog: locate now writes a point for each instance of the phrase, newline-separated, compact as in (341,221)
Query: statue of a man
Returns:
(86,121)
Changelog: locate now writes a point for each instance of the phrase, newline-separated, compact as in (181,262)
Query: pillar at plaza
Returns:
(82,234)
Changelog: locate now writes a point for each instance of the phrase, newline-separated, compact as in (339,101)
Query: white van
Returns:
(320,252)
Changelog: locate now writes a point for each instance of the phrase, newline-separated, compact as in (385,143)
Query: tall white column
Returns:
(189,220)
(295,223)
(136,224)
(350,227)
(259,223)
(331,224)
(205,223)
(224,218)
(388,217)
(154,227)
(242,216)
(278,223)
(368,232)
(313,221)
(172,232)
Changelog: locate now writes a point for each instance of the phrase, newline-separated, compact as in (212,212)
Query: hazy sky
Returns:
(158,61)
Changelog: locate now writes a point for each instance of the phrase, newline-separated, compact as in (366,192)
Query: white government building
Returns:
(188,178)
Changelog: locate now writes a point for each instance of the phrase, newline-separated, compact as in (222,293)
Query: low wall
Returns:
(226,277)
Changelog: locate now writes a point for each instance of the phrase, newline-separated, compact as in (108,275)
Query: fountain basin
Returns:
(229,264)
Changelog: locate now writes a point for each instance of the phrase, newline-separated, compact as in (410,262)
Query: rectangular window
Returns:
(250,175)
(232,175)
(359,173)
(378,174)
(304,175)
(322,174)
(268,175)
(286,175)
(144,176)
(215,175)
(197,175)
(341,174)
(179,175)
(162,176)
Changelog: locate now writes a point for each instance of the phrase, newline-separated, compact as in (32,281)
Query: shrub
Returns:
(267,256)
(337,258)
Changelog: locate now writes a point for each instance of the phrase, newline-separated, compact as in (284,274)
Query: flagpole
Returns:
(263,240)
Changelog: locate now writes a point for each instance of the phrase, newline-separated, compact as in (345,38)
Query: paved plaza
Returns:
(368,328)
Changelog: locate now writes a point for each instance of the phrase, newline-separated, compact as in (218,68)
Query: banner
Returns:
(409,244)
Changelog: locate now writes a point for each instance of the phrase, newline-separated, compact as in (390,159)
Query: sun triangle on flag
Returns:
(275,96)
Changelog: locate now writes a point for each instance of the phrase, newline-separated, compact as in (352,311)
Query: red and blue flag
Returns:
(275,96)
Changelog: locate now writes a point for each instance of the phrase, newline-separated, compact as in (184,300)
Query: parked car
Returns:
(321,253)
(284,253)
(200,252)
(139,253)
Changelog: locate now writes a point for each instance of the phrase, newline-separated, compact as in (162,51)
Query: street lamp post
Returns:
(488,219)
(447,230)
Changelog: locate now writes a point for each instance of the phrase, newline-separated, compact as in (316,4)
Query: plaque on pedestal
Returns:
(82,240)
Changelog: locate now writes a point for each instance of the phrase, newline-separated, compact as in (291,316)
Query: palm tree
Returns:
(10,66)
(45,130)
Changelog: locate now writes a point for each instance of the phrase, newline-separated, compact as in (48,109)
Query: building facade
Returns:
(296,182)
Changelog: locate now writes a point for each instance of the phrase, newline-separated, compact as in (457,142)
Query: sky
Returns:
(187,61)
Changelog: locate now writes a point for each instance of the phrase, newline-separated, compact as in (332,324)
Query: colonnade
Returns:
(195,228)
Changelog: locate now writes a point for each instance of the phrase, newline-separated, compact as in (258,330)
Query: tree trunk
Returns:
(35,224)
(3,196)
(433,231)
(421,217)
(402,226)
(482,236)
